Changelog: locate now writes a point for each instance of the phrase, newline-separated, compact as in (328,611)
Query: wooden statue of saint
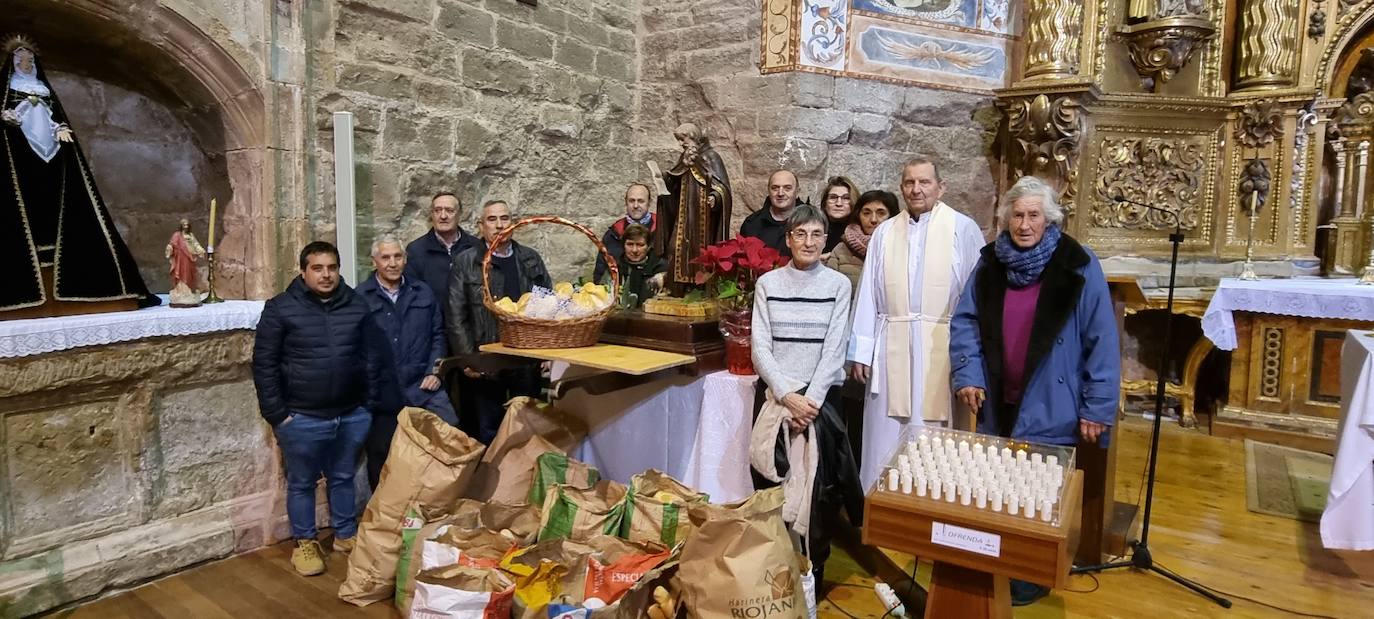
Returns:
(696,210)
(51,215)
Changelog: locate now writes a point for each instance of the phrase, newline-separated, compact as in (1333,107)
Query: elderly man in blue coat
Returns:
(411,320)
(1033,342)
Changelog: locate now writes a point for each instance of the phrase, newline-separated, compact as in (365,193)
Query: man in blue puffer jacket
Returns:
(319,365)
(406,311)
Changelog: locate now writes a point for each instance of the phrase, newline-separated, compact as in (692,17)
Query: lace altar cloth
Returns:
(1309,297)
(23,338)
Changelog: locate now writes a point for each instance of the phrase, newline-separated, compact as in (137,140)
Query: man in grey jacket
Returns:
(515,270)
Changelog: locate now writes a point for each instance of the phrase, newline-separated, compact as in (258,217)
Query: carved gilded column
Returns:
(1342,205)
(1267,50)
(1054,31)
(1347,223)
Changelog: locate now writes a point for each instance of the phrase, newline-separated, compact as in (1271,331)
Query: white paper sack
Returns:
(435,554)
(440,602)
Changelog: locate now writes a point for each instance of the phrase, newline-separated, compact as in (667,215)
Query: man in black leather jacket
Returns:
(515,270)
(319,366)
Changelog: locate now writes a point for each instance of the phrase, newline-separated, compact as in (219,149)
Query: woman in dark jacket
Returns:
(641,271)
(1033,342)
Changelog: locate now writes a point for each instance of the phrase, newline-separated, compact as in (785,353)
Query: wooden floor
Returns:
(1201,529)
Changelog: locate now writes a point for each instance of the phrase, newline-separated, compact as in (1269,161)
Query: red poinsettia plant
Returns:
(730,268)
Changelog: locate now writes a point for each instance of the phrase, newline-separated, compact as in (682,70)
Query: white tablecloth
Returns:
(21,338)
(696,430)
(1307,296)
(1348,522)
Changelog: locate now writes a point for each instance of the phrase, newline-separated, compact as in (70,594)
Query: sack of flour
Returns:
(618,565)
(458,592)
(582,513)
(740,561)
(656,509)
(550,571)
(529,429)
(427,471)
(555,467)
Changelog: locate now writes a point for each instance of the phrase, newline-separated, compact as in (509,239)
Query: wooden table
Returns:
(608,357)
(974,585)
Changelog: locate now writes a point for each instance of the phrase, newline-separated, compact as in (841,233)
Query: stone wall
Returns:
(489,99)
(700,64)
(124,462)
(125,134)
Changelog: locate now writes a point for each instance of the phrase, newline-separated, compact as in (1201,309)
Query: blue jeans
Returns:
(314,445)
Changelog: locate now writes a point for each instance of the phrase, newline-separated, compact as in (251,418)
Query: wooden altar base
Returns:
(53,307)
(1285,380)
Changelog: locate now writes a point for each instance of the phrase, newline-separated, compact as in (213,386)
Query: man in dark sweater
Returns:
(766,224)
(429,257)
(636,213)
(319,368)
(515,270)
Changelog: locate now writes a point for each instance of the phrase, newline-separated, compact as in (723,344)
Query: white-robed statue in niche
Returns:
(51,214)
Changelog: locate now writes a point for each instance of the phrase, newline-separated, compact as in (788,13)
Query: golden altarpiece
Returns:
(1205,108)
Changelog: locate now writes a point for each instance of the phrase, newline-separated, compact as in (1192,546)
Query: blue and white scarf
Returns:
(1024,266)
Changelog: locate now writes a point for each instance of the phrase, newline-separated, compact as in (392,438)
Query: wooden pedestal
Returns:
(961,592)
(1285,380)
(53,307)
(973,584)
(699,337)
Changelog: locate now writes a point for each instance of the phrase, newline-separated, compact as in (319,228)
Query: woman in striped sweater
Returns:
(800,332)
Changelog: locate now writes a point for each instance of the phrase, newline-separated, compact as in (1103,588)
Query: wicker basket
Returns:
(524,332)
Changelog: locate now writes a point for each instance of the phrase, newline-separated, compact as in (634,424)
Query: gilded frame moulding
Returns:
(969,46)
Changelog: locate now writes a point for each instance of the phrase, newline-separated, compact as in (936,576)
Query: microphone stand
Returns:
(1140,550)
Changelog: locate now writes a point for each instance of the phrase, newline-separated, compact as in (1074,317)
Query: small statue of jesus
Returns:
(182,252)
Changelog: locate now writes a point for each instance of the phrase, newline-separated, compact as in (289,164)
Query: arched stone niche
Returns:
(170,119)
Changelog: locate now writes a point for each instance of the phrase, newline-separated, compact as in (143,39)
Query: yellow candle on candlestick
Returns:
(212,223)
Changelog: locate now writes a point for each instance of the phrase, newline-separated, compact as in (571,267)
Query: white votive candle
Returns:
(1028,508)
(1020,455)
(892,479)
(1037,459)
(949,493)
(1046,511)
(906,483)
(1052,460)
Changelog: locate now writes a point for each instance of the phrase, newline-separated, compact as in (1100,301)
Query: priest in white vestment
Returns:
(918,262)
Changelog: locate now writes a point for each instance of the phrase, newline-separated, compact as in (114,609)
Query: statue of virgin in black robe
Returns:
(51,214)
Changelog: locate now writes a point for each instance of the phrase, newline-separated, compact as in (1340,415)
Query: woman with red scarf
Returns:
(848,255)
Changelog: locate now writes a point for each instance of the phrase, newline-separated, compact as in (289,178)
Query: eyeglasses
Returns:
(834,197)
(800,236)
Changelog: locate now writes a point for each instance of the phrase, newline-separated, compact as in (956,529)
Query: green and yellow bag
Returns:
(656,509)
(582,513)
(555,467)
